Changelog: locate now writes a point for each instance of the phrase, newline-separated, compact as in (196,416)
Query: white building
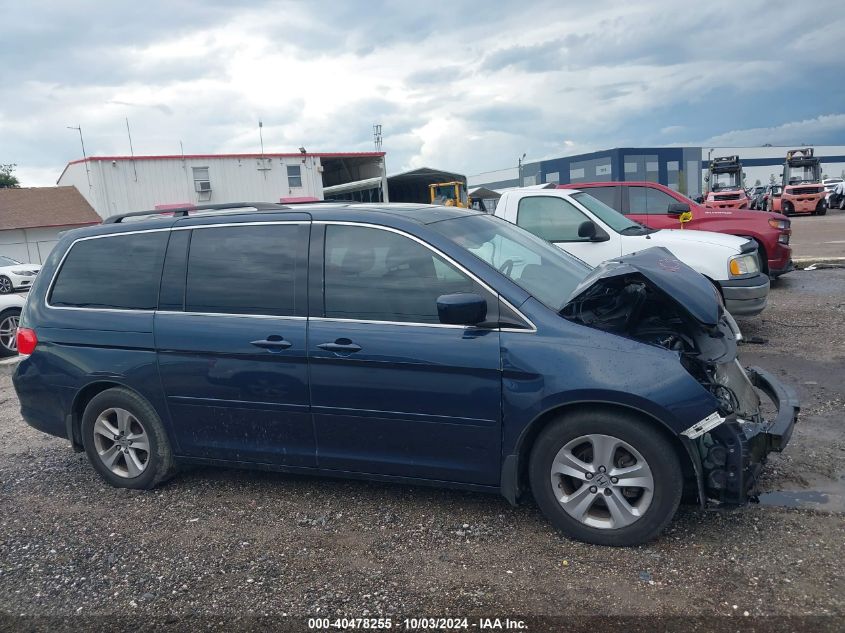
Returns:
(118,184)
(33,218)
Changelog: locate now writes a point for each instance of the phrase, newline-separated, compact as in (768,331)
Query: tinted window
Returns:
(657,202)
(378,275)
(245,269)
(637,202)
(121,271)
(608,195)
(554,219)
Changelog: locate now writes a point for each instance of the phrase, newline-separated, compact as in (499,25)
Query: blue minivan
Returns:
(406,343)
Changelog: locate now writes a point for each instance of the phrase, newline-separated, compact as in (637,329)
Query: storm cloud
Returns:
(462,85)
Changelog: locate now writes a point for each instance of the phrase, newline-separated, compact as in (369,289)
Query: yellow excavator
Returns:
(449,194)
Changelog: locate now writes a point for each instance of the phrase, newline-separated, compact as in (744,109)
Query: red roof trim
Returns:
(213,156)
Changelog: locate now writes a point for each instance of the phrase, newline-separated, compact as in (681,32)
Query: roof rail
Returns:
(185,212)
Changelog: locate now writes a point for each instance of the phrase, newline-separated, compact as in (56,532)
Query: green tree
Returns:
(8,180)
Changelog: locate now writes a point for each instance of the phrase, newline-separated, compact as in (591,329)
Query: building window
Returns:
(672,165)
(553,177)
(202,183)
(603,169)
(294,176)
(529,181)
(630,168)
(575,174)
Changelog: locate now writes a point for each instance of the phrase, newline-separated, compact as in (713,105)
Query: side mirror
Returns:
(464,308)
(677,208)
(589,230)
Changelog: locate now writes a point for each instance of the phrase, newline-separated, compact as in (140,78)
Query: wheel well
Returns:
(536,427)
(85,395)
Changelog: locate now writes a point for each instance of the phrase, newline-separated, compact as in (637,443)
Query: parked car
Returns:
(10,312)
(589,229)
(15,275)
(660,207)
(829,188)
(836,198)
(423,344)
(755,194)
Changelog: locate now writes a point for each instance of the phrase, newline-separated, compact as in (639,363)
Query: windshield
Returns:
(610,216)
(800,174)
(729,180)
(542,270)
(8,261)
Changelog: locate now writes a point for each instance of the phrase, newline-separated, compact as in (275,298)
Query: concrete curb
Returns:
(803,262)
(8,365)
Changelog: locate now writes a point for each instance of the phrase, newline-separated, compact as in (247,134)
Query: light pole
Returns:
(519,164)
(78,128)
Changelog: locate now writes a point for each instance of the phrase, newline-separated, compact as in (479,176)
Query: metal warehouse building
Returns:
(681,168)
(116,184)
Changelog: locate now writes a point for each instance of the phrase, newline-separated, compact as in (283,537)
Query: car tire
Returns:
(580,507)
(9,320)
(125,440)
(6,285)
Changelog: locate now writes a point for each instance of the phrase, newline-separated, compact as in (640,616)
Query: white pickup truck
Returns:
(587,228)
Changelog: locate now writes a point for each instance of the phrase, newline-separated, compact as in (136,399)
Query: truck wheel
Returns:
(787,208)
(605,477)
(125,440)
(821,209)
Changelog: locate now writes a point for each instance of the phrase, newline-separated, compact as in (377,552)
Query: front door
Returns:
(231,339)
(393,391)
(650,206)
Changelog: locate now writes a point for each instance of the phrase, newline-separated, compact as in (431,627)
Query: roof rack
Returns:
(184,212)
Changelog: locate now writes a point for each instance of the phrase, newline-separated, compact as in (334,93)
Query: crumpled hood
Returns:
(690,290)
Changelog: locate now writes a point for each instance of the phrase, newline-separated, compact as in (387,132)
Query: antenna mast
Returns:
(78,128)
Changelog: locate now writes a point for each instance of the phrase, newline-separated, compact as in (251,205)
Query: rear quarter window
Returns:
(116,272)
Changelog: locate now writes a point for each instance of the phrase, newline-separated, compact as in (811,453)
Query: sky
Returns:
(462,85)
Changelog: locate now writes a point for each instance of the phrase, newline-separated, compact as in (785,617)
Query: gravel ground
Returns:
(233,544)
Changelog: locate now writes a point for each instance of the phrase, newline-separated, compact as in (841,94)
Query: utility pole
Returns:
(78,128)
(377,142)
(519,165)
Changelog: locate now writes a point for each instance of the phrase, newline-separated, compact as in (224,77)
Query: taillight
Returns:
(27,340)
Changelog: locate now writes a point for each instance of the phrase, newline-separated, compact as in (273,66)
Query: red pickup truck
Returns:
(660,207)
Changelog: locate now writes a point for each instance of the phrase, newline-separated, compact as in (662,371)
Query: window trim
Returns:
(159,230)
(299,176)
(530,329)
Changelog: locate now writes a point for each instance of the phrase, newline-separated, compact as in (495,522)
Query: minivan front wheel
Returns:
(605,477)
(125,440)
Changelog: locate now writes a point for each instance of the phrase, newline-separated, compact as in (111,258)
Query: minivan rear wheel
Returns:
(605,477)
(125,440)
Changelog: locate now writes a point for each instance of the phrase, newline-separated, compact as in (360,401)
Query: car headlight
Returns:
(24,273)
(743,265)
(779,224)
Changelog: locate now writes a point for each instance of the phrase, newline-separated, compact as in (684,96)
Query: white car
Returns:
(589,229)
(830,187)
(15,275)
(10,314)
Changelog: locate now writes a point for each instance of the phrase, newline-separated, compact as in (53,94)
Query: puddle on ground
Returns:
(828,499)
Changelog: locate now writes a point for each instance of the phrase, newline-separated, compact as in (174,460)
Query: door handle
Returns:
(273,343)
(340,345)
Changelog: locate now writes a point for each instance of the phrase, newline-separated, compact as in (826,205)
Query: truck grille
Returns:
(804,191)
(726,196)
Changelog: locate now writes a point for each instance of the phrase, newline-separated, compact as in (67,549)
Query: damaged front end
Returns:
(652,297)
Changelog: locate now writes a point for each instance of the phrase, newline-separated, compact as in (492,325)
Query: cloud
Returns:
(824,129)
(453,86)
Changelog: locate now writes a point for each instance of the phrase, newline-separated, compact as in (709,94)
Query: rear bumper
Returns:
(746,297)
(733,459)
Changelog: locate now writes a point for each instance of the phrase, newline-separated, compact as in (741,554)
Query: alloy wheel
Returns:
(602,481)
(9,332)
(6,286)
(121,443)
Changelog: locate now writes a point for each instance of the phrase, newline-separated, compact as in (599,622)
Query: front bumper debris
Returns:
(732,453)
